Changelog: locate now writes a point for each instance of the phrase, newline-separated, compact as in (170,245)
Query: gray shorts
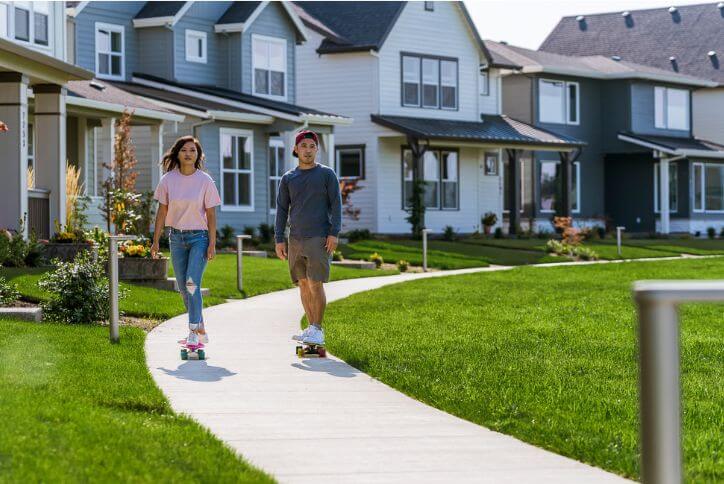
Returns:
(308,259)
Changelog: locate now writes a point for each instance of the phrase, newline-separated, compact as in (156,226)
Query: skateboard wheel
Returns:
(202,354)
(322,352)
(300,351)
(184,355)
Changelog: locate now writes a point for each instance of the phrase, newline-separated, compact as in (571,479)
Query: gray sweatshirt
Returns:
(312,202)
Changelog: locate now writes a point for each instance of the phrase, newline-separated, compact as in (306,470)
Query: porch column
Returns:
(513,181)
(664,194)
(14,149)
(566,184)
(50,154)
(156,154)
(289,161)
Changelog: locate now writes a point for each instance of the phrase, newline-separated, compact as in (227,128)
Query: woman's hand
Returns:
(211,252)
(154,250)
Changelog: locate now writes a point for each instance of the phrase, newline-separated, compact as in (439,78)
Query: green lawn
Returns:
(547,355)
(393,251)
(78,409)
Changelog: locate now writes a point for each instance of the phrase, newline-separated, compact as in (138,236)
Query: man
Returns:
(309,196)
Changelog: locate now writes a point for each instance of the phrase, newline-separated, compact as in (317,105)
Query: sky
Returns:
(526,23)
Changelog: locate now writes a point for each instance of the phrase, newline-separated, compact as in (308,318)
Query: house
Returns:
(49,106)
(229,68)
(425,96)
(616,107)
(685,40)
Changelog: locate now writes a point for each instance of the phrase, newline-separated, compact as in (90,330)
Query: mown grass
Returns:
(393,252)
(548,355)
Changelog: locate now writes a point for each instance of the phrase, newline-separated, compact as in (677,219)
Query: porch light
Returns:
(580,18)
(616,57)
(98,85)
(672,10)
(711,53)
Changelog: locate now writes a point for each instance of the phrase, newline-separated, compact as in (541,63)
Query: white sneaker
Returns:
(315,336)
(302,335)
(192,339)
(204,338)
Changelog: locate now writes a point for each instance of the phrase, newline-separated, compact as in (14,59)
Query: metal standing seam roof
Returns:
(671,143)
(492,128)
(159,9)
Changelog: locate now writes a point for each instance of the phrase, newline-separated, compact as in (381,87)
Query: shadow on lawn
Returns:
(331,367)
(199,371)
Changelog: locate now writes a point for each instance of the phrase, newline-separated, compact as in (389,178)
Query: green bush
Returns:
(585,253)
(721,234)
(403,265)
(337,256)
(711,232)
(226,237)
(100,238)
(449,233)
(377,259)
(266,233)
(564,249)
(498,233)
(8,292)
(357,235)
(79,291)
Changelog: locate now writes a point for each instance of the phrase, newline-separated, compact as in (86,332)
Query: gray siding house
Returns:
(640,158)
(680,40)
(229,69)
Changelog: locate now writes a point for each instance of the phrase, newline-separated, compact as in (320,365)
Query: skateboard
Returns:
(192,350)
(310,350)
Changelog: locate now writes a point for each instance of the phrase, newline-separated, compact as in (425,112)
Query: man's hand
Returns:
(281,249)
(154,250)
(211,252)
(331,244)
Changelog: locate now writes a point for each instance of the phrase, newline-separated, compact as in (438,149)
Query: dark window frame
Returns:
(439,59)
(363,165)
(439,207)
(429,6)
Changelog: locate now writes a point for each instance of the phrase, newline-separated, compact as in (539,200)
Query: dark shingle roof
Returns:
(160,9)
(107,92)
(672,144)
(359,25)
(239,12)
(649,37)
(491,128)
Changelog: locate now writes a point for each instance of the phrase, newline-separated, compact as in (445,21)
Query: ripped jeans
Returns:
(188,256)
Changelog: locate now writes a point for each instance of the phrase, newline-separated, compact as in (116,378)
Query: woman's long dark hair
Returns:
(170,158)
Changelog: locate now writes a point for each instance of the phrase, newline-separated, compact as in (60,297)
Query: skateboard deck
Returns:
(310,350)
(192,350)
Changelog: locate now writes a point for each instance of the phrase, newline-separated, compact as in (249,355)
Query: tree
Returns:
(416,209)
(346,188)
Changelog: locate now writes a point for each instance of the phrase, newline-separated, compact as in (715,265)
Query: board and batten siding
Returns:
(443,32)
(708,106)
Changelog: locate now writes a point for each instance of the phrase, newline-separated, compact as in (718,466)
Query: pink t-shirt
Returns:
(187,197)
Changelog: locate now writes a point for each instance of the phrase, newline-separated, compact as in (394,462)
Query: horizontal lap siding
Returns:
(155,55)
(708,118)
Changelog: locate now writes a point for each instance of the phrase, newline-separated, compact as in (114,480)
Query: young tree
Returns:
(346,188)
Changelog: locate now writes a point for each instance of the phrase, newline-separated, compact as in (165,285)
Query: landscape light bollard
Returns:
(659,383)
(113,276)
(424,249)
(618,238)
(239,247)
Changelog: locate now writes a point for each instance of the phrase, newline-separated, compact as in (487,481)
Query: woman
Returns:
(187,197)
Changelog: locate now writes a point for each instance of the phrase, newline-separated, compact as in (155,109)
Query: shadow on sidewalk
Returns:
(199,371)
(331,367)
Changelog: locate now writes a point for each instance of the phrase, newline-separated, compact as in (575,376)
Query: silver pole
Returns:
(659,384)
(424,249)
(618,238)
(239,247)
(113,276)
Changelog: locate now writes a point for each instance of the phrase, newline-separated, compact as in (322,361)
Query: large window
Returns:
(671,108)
(110,51)
(196,46)
(673,188)
(551,186)
(558,102)
(440,169)
(350,162)
(237,170)
(25,21)
(269,60)
(276,169)
(708,187)
(429,82)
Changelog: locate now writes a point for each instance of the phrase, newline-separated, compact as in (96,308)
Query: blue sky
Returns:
(526,23)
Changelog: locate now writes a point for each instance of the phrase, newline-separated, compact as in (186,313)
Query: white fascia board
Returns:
(180,109)
(591,74)
(327,120)
(73,12)
(182,11)
(241,117)
(119,108)
(140,23)
(563,71)
(226,28)
(701,154)
(296,20)
(646,144)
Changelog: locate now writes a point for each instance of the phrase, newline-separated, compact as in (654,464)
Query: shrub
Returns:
(79,291)
(337,256)
(697,234)
(226,237)
(711,232)
(556,247)
(99,237)
(721,234)
(585,253)
(266,233)
(563,248)
(498,233)
(8,292)
(489,219)
(601,231)
(449,233)
(377,259)
(358,234)
(403,265)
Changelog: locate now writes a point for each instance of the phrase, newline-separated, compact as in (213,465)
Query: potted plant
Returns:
(488,220)
(136,264)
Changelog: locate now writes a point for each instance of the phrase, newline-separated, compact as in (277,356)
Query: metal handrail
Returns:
(113,276)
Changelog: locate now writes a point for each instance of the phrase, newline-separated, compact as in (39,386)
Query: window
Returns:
(673,188)
(237,170)
(276,169)
(708,187)
(25,21)
(429,82)
(350,162)
(110,51)
(551,188)
(440,176)
(671,108)
(22,21)
(196,46)
(41,11)
(269,60)
(484,84)
(559,102)
(491,164)
(430,6)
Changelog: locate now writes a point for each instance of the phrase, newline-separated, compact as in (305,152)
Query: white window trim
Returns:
(657,174)
(255,38)
(31,27)
(194,35)
(110,28)
(275,143)
(577,166)
(485,81)
(360,150)
(248,134)
(665,114)
(566,105)
(703,188)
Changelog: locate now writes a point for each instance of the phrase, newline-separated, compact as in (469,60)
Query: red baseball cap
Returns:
(306,134)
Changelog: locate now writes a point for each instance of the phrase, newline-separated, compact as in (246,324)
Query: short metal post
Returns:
(113,276)
(659,384)
(239,250)
(618,238)
(424,249)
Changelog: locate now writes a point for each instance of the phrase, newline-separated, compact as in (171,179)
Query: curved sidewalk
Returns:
(321,420)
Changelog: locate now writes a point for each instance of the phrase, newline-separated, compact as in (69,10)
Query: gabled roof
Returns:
(239,12)
(689,147)
(652,37)
(594,67)
(160,9)
(491,129)
(240,15)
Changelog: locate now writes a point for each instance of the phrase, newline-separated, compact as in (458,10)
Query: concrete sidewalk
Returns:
(254,393)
